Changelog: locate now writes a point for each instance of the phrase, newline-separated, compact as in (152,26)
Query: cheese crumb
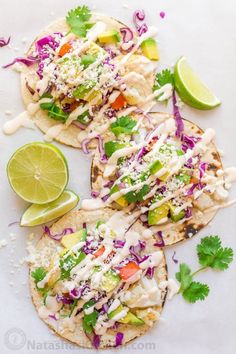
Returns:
(3,243)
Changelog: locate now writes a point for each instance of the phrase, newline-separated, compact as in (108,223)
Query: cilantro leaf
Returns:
(123,125)
(184,276)
(89,322)
(163,78)
(134,196)
(39,274)
(196,291)
(54,111)
(212,254)
(77,20)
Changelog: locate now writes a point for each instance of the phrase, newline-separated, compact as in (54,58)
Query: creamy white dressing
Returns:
(172,285)
(96,30)
(13,125)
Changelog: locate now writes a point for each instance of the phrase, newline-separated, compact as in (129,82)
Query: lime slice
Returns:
(38,172)
(38,214)
(191,89)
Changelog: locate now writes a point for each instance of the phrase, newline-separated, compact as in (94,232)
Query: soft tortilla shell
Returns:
(175,232)
(75,220)
(41,119)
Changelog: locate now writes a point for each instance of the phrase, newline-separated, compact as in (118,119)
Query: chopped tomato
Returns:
(66,48)
(99,252)
(128,270)
(120,102)
(194,180)
(110,256)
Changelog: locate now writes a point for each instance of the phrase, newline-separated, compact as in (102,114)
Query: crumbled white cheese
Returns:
(3,243)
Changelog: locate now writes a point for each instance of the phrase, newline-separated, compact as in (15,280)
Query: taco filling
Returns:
(99,275)
(168,176)
(84,78)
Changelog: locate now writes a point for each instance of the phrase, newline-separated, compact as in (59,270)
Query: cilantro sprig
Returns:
(123,125)
(211,254)
(77,20)
(163,78)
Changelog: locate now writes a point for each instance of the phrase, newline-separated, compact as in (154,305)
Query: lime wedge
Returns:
(38,172)
(38,214)
(191,89)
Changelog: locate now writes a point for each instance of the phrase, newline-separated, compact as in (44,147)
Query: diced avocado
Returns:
(121,201)
(164,177)
(94,96)
(83,90)
(94,49)
(100,222)
(130,318)
(157,214)
(110,281)
(155,167)
(150,49)
(184,177)
(112,36)
(68,241)
(112,146)
(84,118)
(87,59)
(176,217)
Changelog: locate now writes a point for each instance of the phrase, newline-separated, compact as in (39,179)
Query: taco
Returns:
(98,278)
(175,180)
(77,80)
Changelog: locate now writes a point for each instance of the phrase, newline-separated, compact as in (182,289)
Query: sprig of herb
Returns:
(54,111)
(163,78)
(211,254)
(77,20)
(123,125)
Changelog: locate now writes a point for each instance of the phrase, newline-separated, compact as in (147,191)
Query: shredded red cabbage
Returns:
(127,34)
(53,317)
(30,60)
(105,198)
(119,338)
(138,17)
(189,142)
(202,169)
(96,341)
(101,149)
(4,42)
(199,186)
(150,272)
(42,50)
(95,194)
(65,300)
(178,119)
(188,213)
(76,293)
(162,14)
(174,259)
(57,237)
(161,242)
(119,243)
(84,146)
(105,308)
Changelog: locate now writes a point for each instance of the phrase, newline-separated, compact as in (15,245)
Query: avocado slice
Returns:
(112,146)
(150,49)
(87,59)
(68,241)
(110,280)
(122,200)
(157,214)
(112,36)
(83,90)
(155,167)
(176,217)
(130,318)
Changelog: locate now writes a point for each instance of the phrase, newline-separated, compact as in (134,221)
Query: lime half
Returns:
(191,89)
(38,172)
(38,214)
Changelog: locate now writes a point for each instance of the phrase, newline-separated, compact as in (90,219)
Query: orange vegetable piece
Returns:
(120,102)
(128,270)
(99,252)
(66,48)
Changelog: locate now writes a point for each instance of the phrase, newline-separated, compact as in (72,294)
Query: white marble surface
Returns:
(204,31)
